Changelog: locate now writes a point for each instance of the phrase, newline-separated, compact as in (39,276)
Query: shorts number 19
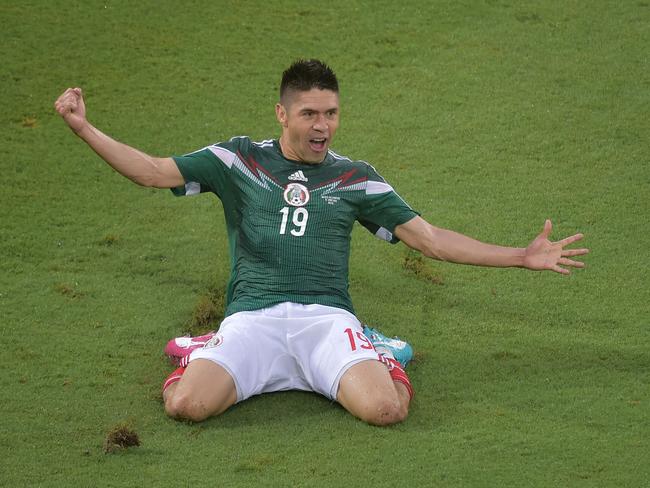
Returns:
(364,342)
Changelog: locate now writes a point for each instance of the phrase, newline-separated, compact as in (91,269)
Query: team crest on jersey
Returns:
(215,341)
(296,195)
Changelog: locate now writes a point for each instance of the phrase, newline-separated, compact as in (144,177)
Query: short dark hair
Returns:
(305,74)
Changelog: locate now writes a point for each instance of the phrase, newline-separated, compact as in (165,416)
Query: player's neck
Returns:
(292,155)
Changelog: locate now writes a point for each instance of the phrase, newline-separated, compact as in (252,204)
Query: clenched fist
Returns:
(70,105)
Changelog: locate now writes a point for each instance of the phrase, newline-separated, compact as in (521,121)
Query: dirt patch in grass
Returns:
(68,290)
(208,312)
(504,355)
(120,437)
(416,264)
(29,122)
(109,240)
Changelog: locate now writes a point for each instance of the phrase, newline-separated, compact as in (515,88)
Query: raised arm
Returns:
(137,166)
(446,245)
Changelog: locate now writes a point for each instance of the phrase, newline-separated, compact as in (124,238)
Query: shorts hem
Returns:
(335,385)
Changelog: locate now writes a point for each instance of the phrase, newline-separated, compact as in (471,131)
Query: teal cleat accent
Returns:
(395,347)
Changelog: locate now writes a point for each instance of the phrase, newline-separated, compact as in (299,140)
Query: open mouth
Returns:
(318,144)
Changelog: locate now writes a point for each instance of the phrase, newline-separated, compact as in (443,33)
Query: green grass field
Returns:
(486,116)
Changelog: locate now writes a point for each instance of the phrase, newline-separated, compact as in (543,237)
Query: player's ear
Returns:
(281,114)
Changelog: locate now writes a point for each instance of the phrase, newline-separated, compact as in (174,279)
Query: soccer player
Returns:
(290,204)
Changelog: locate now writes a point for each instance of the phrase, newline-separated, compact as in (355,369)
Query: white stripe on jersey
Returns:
(231,159)
(228,157)
(377,188)
(391,188)
(266,143)
(373,187)
(237,137)
(337,156)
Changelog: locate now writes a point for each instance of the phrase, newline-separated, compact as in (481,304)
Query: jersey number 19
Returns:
(299,220)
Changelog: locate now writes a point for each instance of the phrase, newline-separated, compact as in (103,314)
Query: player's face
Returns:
(309,121)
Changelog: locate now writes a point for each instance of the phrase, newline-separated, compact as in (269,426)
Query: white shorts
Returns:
(288,346)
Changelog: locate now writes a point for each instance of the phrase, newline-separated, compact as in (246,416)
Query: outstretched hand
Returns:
(542,254)
(70,105)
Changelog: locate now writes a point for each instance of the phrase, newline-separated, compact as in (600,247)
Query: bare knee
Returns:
(367,392)
(206,389)
(384,411)
(183,407)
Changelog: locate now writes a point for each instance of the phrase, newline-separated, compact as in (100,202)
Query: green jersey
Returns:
(289,222)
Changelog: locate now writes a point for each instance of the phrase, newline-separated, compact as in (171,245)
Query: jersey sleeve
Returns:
(383,209)
(379,232)
(208,169)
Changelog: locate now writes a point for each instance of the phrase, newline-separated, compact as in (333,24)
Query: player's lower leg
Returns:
(170,382)
(397,374)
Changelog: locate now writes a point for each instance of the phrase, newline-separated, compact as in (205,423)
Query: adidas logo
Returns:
(298,176)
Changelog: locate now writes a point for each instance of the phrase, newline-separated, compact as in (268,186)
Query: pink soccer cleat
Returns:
(181,347)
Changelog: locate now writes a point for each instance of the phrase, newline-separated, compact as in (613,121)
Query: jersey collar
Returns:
(276,145)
